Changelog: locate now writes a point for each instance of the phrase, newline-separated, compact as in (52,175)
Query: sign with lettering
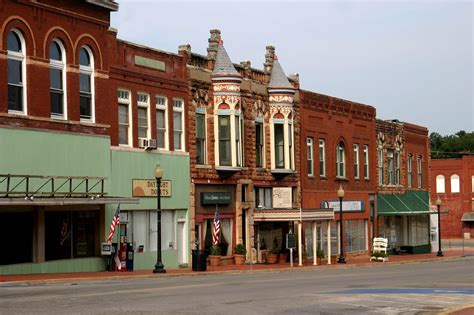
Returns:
(290,241)
(282,197)
(215,198)
(347,205)
(147,188)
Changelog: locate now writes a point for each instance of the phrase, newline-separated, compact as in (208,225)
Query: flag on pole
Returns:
(115,222)
(217,228)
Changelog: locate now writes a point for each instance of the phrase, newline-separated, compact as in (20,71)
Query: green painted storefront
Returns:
(45,153)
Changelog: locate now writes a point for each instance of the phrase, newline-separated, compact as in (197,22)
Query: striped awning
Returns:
(468,217)
(412,202)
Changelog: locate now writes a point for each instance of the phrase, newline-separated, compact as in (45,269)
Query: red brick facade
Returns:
(455,203)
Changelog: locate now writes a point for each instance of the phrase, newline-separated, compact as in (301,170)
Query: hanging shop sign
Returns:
(215,198)
(347,205)
(147,188)
(282,197)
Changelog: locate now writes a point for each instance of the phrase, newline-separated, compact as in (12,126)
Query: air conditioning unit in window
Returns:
(146,143)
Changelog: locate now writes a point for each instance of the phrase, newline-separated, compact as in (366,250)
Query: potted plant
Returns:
(379,256)
(282,257)
(240,252)
(319,255)
(272,257)
(215,256)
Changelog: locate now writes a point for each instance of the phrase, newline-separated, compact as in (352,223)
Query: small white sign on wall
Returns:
(282,197)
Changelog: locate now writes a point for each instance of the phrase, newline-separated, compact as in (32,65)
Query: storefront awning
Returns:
(468,217)
(272,215)
(412,202)
(31,201)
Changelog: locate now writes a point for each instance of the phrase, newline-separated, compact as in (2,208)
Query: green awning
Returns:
(412,202)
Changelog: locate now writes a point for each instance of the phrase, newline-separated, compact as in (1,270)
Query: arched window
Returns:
(86,83)
(340,160)
(16,69)
(57,79)
(455,187)
(440,184)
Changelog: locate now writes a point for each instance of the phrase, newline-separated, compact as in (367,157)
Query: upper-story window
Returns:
(410,171)
(322,157)
(397,167)
(263,197)
(279,145)
(455,184)
(178,124)
(356,161)
(380,162)
(143,104)
(440,188)
(124,116)
(225,157)
(161,103)
(340,160)
(200,136)
(239,128)
(57,79)
(419,168)
(86,83)
(16,72)
(366,161)
(390,167)
(259,143)
(309,149)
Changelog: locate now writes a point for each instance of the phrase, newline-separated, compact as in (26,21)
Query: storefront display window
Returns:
(356,235)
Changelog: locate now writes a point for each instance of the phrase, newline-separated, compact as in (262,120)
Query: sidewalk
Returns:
(351,262)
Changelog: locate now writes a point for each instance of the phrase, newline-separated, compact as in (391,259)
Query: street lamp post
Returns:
(341,259)
(159,267)
(438,204)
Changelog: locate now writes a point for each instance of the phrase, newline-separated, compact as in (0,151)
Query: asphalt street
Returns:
(411,288)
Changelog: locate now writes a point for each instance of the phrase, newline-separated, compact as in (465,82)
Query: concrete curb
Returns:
(72,280)
(461,310)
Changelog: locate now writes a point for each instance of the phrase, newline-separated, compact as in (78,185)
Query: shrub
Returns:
(240,249)
(320,253)
(215,250)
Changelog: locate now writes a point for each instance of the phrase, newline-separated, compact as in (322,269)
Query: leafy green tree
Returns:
(451,146)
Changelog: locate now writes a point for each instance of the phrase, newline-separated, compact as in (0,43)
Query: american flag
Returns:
(217,229)
(115,222)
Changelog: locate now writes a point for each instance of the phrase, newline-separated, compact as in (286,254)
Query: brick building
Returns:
(79,122)
(452,180)
(338,149)
(402,205)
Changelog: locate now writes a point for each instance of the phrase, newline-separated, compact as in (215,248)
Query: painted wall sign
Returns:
(215,198)
(347,205)
(147,188)
(282,197)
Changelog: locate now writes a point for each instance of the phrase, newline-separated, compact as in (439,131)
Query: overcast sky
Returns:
(413,61)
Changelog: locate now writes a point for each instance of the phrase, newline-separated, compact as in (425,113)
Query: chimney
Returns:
(213,44)
(269,57)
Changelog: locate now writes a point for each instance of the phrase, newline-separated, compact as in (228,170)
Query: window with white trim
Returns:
(356,161)
(380,162)
(57,79)
(340,160)
(143,115)
(161,103)
(419,163)
(390,167)
(290,145)
(200,137)
(225,157)
(455,184)
(279,145)
(366,161)
(259,144)
(178,124)
(397,167)
(410,171)
(238,138)
(309,150)
(16,72)
(322,157)
(124,117)
(440,188)
(86,84)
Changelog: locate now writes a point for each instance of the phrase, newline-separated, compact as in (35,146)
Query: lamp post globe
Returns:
(159,267)
(438,205)
(341,259)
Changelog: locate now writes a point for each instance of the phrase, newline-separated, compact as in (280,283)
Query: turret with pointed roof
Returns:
(278,78)
(223,66)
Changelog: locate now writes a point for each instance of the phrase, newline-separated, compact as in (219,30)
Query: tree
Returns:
(451,146)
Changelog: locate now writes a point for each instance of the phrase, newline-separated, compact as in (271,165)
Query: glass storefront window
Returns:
(356,235)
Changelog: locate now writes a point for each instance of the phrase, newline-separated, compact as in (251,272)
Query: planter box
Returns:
(382,259)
